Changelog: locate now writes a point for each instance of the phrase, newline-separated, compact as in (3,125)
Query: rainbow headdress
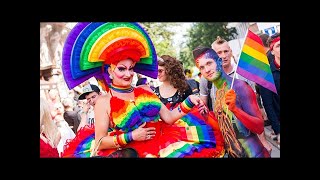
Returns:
(90,48)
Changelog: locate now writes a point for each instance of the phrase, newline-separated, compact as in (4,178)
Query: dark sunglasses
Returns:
(160,71)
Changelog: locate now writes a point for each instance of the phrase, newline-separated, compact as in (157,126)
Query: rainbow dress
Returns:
(190,138)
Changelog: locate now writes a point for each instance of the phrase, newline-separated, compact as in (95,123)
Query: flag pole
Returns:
(235,71)
(239,59)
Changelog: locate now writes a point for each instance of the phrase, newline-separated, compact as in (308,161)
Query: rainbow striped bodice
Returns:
(129,115)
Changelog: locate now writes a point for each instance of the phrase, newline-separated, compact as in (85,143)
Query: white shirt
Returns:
(90,116)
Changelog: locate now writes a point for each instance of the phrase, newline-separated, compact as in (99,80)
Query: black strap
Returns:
(194,86)
(209,85)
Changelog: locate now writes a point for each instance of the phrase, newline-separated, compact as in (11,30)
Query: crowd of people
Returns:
(179,118)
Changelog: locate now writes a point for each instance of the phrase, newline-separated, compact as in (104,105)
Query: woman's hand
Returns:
(195,99)
(142,134)
(203,109)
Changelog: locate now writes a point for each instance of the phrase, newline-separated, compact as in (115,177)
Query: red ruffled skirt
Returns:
(202,140)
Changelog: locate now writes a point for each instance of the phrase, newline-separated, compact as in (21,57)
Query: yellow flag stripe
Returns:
(255,54)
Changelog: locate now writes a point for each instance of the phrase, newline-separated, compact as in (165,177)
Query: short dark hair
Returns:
(208,53)
(264,37)
(199,51)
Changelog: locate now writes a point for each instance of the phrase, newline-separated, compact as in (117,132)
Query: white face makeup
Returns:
(123,73)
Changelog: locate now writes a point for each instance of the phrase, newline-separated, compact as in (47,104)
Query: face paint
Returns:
(112,66)
(210,65)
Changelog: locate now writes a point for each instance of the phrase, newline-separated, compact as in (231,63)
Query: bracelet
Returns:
(128,137)
(115,141)
(186,105)
(124,138)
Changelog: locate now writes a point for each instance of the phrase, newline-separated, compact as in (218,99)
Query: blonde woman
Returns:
(49,133)
(64,128)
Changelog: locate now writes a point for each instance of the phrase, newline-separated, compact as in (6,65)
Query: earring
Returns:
(110,76)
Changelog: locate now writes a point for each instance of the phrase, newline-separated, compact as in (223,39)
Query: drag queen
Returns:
(128,117)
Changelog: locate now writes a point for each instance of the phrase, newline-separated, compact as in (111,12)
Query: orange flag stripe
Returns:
(255,45)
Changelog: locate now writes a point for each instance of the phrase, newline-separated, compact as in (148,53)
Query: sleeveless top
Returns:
(173,101)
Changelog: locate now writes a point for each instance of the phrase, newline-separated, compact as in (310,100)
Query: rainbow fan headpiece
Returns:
(90,48)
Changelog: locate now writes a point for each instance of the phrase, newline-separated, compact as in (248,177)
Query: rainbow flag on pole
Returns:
(253,63)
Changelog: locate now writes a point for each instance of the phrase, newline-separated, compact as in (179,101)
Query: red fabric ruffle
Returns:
(46,151)
(165,135)
(71,145)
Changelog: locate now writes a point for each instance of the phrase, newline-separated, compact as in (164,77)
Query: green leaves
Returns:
(199,34)
(161,35)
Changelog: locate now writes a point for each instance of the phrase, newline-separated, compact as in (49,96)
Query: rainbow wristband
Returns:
(124,138)
(115,141)
(186,105)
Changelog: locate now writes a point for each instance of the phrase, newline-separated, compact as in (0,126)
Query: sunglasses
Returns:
(160,71)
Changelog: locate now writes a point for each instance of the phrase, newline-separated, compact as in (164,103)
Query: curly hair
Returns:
(174,72)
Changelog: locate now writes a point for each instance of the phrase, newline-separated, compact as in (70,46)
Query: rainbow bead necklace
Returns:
(121,89)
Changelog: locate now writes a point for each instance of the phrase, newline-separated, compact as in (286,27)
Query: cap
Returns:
(88,89)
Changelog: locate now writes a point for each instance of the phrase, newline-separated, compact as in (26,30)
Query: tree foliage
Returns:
(203,34)
(161,35)
(200,34)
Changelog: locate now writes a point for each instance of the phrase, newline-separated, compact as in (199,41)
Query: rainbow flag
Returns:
(254,64)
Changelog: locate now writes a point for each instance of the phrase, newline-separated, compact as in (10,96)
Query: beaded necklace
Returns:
(121,89)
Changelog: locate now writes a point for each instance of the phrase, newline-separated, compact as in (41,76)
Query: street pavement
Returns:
(275,153)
